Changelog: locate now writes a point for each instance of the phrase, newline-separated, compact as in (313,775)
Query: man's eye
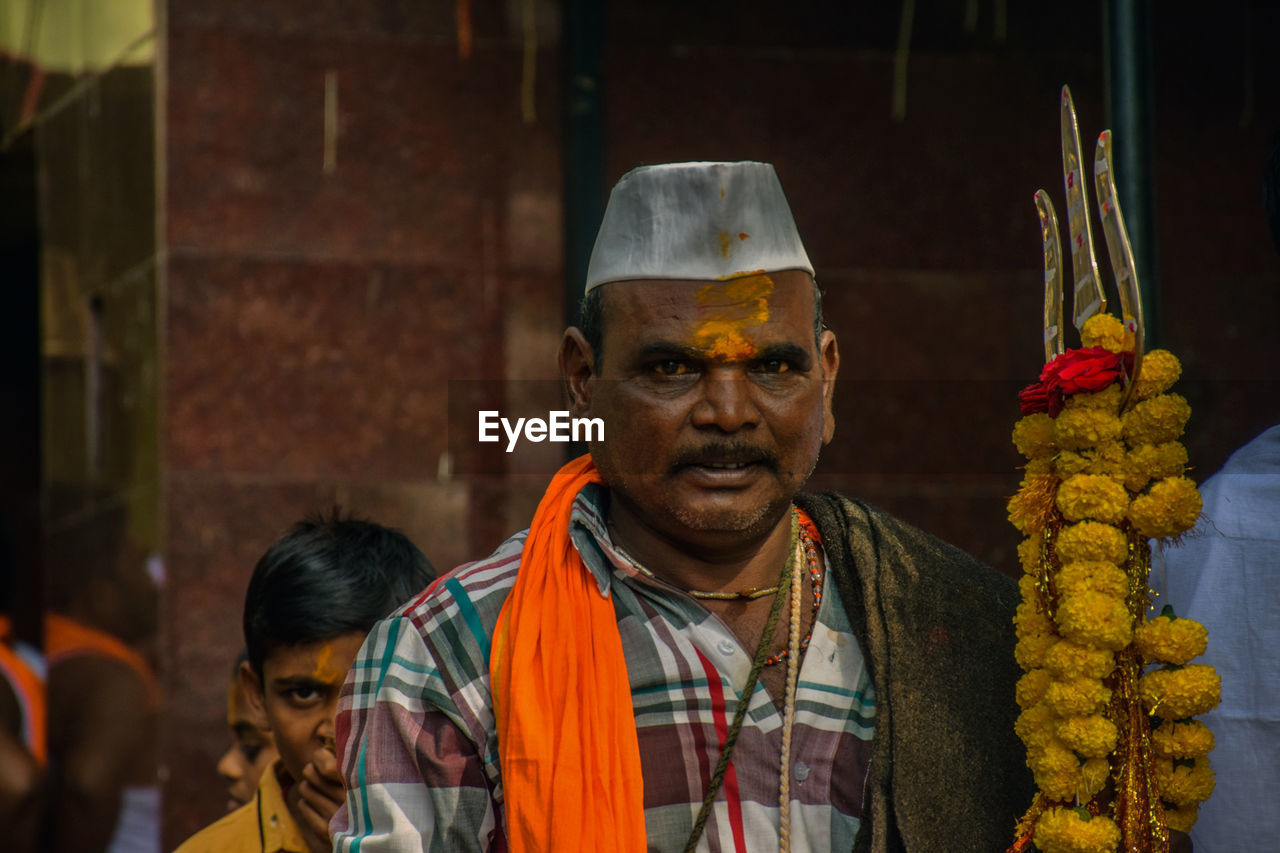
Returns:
(671,367)
(774,365)
(251,751)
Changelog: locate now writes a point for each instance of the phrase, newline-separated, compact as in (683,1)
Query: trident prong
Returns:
(1120,251)
(1054,343)
(1087,296)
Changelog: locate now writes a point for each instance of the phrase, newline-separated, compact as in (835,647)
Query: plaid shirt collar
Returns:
(589,530)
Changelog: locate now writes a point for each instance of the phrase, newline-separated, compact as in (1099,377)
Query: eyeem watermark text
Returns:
(557,427)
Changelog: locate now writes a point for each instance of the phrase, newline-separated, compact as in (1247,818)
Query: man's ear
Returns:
(254,697)
(829,358)
(577,369)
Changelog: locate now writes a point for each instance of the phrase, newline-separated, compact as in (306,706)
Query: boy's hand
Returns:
(321,793)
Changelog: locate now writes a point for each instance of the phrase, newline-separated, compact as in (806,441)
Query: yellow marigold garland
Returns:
(1093,736)
(1042,467)
(1094,576)
(1030,618)
(1092,496)
(1030,649)
(1106,331)
(1160,369)
(1063,830)
(1095,619)
(1090,540)
(1184,782)
(1181,819)
(1170,639)
(1170,507)
(1076,697)
(1179,692)
(1153,461)
(1108,398)
(1157,420)
(1029,556)
(1181,739)
(1065,659)
(1080,427)
(1033,436)
(1098,484)
(1037,718)
(1108,459)
(1031,687)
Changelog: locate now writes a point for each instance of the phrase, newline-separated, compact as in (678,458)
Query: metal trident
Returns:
(1088,297)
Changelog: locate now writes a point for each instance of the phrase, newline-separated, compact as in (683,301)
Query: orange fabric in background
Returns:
(567,740)
(65,638)
(28,689)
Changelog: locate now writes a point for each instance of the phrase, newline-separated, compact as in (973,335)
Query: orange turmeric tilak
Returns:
(727,310)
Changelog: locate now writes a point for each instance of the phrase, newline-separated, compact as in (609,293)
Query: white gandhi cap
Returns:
(706,221)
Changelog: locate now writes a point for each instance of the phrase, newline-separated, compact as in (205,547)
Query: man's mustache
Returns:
(725,453)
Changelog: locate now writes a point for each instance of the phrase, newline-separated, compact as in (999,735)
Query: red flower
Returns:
(1082,370)
(1076,371)
(1034,398)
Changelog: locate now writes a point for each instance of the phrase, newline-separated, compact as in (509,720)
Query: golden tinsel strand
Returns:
(1137,807)
(1030,508)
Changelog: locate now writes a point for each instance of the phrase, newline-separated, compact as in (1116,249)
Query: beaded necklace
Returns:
(815,580)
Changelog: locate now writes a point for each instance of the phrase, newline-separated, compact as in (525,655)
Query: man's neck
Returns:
(707,562)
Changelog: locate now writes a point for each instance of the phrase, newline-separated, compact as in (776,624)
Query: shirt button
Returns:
(802,771)
(725,647)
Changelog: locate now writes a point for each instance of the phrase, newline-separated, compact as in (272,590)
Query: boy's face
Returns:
(252,749)
(297,696)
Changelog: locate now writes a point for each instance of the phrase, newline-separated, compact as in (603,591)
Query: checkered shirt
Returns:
(419,749)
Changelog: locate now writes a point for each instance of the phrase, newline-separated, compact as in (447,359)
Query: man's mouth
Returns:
(724,464)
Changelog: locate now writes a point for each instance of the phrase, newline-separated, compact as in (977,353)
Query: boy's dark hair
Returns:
(328,576)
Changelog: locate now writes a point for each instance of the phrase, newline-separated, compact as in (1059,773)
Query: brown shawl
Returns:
(947,772)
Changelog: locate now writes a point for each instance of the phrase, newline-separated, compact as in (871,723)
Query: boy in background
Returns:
(312,598)
(252,749)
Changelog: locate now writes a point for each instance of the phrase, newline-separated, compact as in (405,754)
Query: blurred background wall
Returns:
(262,257)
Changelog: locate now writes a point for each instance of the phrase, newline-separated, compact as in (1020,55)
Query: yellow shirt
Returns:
(262,824)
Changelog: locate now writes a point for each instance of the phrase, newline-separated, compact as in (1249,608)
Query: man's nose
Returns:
(726,402)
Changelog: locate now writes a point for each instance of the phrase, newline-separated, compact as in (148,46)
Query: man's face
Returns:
(714,396)
(297,697)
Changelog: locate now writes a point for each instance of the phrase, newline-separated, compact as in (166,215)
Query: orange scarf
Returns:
(567,741)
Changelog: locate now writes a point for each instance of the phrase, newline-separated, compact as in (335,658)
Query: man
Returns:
(103,693)
(683,652)
(312,598)
(1225,577)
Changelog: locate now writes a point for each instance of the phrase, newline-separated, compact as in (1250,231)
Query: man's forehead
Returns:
(724,320)
(773,291)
